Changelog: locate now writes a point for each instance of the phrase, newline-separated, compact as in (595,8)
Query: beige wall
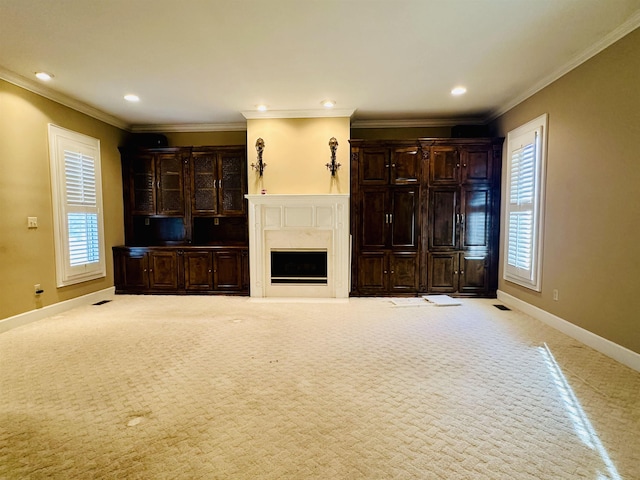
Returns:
(296,151)
(27,256)
(592,224)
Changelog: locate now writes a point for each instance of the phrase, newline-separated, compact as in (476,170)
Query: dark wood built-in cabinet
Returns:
(155,182)
(425,216)
(187,269)
(218,182)
(385,195)
(185,221)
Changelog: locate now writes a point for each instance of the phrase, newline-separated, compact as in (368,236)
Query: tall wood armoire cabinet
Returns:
(425,216)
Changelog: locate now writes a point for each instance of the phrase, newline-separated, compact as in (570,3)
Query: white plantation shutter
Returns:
(75,175)
(524,203)
(82,208)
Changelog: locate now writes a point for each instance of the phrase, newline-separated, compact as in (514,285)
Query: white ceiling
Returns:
(204,62)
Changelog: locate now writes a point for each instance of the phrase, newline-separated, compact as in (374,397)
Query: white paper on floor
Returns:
(442,300)
(410,302)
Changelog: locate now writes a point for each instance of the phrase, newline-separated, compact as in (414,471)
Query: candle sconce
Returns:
(259,166)
(333,166)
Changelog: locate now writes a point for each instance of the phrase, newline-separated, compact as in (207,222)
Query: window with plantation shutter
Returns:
(525,174)
(77,201)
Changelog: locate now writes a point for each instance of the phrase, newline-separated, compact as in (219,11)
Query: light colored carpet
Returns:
(166,387)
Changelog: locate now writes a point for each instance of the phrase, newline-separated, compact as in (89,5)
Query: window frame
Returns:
(527,277)
(61,139)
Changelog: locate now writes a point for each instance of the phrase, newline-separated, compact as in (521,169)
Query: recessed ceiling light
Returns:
(44,76)
(131,98)
(262,108)
(328,103)
(459,91)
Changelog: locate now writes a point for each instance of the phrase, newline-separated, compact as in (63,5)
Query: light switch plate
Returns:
(32,222)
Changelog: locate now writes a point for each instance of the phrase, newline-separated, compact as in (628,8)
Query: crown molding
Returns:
(324,113)
(417,123)
(189,127)
(627,27)
(61,98)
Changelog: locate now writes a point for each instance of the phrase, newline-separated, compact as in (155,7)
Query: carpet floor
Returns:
(169,387)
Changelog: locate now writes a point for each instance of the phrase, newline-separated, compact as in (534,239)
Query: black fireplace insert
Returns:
(299,266)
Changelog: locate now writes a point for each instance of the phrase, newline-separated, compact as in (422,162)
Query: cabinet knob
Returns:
(385,272)
(209,270)
(392,272)
(393,165)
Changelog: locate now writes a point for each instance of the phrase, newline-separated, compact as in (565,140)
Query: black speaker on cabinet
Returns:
(147,140)
(470,131)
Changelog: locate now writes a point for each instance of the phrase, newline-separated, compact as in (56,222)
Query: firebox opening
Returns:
(296,266)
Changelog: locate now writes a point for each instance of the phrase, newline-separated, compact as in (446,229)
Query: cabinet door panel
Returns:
(443,272)
(373,222)
(476,220)
(198,271)
(227,273)
(232,180)
(374,166)
(203,183)
(163,270)
(403,220)
(142,185)
(134,271)
(444,166)
(170,184)
(476,164)
(403,271)
(405,166)
(442,212)
(473,273)
(372,272)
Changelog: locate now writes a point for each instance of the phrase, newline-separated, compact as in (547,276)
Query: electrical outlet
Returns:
(555,294)
(32,222)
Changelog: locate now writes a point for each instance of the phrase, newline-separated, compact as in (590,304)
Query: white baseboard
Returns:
(56,308)
(623,355)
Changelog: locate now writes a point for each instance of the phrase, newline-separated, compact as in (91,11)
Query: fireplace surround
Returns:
(299,223)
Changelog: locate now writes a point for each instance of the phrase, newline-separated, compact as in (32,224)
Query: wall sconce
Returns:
(333,166)
(259,166)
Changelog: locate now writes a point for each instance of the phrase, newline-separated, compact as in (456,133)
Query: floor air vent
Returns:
(502,307)
(102,302)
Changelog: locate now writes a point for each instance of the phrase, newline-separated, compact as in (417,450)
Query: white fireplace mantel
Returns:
(293,221)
